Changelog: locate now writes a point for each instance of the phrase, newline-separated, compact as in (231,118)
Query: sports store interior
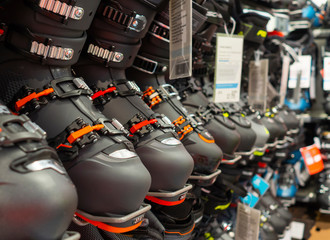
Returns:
(164,120)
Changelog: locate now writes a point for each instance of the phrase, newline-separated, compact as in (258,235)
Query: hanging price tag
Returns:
(180,39)
(326,79)
(303,69)
(312,158)
(284,78)
(248,222)
(228,68)
(258,81)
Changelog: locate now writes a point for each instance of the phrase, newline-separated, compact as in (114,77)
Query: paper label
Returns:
(282,22)
(312,158)
(284,78)
(180,39)
(302,68)
(260,184)
(297,230)
(228,68)
(248,221)
(258,81)
(326,79)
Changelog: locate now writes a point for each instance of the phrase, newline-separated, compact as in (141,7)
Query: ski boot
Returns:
(40,42)
(104,70)
(37,198)
(164,98)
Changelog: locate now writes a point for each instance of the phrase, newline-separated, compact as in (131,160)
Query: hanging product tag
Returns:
(180,39)
(260,184)
(248,222)
(312,158)
(284,78)
(303,67)
(258,81)
(282,22)
(228,68)
(326,78)
(251,199)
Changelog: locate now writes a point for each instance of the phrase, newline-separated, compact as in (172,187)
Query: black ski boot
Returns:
(111,47)
(37,198)
(164,98)
(41,41)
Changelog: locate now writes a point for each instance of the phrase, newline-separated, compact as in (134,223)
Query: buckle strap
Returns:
(151,97)
(29,100)
(104,54)
(63,9)
(160,31)
(103,96)
(140,125)
(31,130)
(182,130)
(148,65)
(126,18)
(51,50)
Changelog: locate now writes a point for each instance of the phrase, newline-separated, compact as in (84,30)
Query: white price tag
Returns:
(228,68)
(180,39)
(326,79)
(305,67)
(297,230)
(284,78)
(248,222)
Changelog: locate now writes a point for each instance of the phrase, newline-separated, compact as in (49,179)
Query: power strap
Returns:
(47,49)
(113,13)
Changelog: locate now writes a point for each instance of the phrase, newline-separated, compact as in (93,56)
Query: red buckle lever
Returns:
(19,104)
(140,125)
(78,134)
(101,93)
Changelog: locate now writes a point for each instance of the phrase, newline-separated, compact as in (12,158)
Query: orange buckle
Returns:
(109,228)
(186,129)
(140,125)
(153,101)
(101,93)
(179,121)
(74,136)
(20,103)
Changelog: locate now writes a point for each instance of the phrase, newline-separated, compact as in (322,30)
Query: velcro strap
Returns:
(149,66)
(50,50)
(116,14)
